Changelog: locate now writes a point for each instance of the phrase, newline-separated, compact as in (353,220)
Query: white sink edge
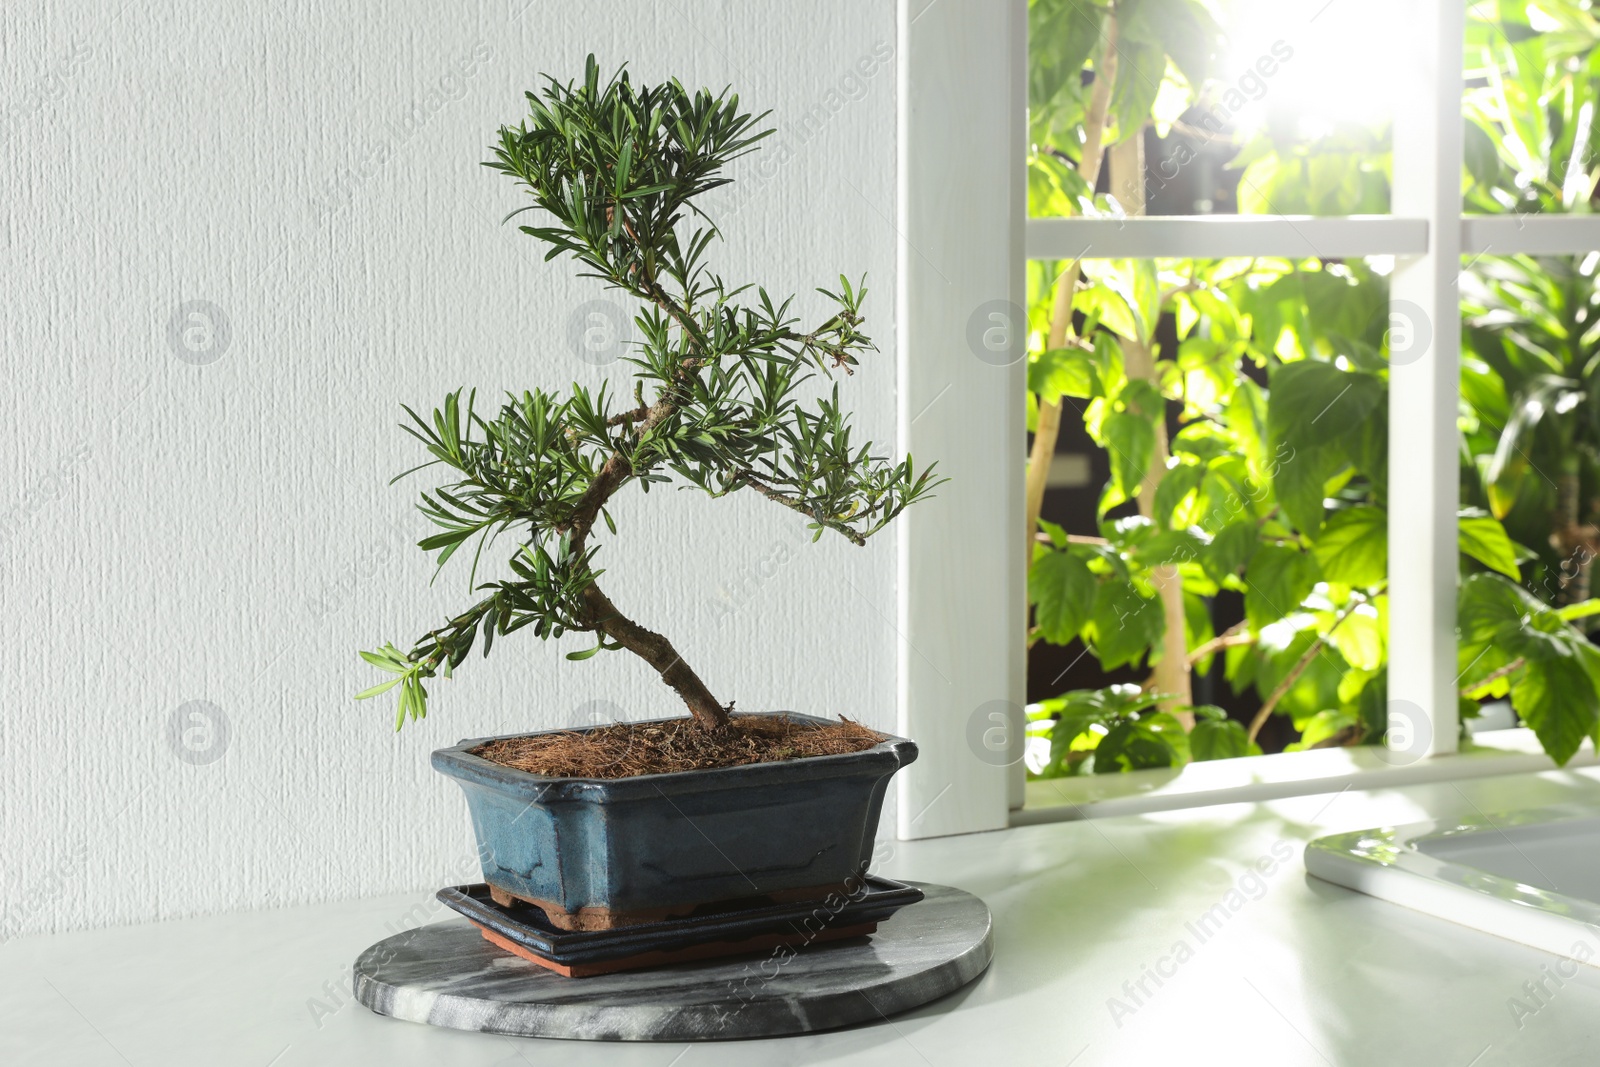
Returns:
(1384,862)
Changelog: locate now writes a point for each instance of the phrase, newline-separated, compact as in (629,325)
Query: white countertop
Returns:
(1297,972)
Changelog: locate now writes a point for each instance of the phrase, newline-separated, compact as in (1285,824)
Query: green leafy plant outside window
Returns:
(1272,485)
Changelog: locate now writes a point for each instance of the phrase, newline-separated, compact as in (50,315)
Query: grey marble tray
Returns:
(446,974)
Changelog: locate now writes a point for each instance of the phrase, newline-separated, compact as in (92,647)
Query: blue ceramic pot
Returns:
(601,853)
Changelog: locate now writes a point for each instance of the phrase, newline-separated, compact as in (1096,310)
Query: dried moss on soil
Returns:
(624,750)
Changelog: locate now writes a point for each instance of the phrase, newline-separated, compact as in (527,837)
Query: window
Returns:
(966,241)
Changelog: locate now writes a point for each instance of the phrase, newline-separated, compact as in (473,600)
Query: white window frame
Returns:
(964,243)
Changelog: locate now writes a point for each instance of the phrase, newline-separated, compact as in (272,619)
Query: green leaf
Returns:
(1542,401)
(381,687)
(1278,579)
(1197,626)
(1065,33)
(1219,739)
(1353,547)
(1062,589)
(1311,406)
(1312,403)
(586,653)
(1485,540)
(1140,70)
(1177,482)
(450,538)
(1581,610)
(1146,298)
(1367,447)
(1055,188)
(1325,724)
(1372,706)
(1108,362)
(1230,550)
(1482,158)
(1070,726)
(1058,535)
(1112,307)
(383,662)
(1142,398)
(1151,741)
(1131,440)
(1299,482)
(1487,606)
(1168,546)
(1557,699)
(1079,710)
(1126,624)
(1187,33)
(1360,639)
(1102,705)
(1060,372)
(1498,620)
(1127,533)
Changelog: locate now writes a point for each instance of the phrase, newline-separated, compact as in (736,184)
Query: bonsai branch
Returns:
(629,417)
(657,651)
(603,615)
(750,478)
(613,473)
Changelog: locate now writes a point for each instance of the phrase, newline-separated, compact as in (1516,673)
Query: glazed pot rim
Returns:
(458,761)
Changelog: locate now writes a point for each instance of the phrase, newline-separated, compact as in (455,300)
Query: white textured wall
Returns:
(222,532)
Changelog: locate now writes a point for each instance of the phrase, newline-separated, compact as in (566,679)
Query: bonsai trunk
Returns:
(603,615)
(657,651)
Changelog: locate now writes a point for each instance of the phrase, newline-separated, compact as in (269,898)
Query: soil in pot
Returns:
(623,750)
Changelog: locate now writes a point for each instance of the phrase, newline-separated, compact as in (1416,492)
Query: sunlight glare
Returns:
(1315,63)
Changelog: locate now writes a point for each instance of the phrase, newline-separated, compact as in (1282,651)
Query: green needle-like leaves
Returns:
(614,171)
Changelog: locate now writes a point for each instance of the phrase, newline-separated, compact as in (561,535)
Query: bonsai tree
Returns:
(617,171)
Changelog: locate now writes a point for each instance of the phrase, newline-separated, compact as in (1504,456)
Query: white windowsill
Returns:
(1287,774)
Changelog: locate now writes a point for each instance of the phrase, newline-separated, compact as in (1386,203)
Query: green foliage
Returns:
(1286,172)
(1277,485)
(1276,493)
(1353,548)
(1279,578)
(1530,142)
(1485,540)
(1531,381)
(1165,51)
(1311,571)
(1513,644)
(1062,587)
(1215,736)
(615,171)
(1107,731)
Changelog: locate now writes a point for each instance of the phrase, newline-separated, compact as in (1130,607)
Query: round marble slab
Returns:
(446,974)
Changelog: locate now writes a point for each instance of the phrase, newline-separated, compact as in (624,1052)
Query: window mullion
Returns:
(1536,235)
(1424,387)
(1220,236)
(961,341)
